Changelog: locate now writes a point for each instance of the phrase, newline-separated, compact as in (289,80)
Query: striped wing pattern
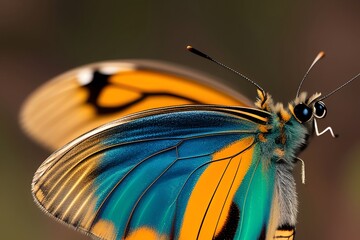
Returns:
(172,173)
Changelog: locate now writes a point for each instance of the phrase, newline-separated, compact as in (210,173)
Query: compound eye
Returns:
(320,109)
(302,112)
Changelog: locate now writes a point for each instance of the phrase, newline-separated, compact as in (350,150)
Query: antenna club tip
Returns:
(321,54)
(188,47)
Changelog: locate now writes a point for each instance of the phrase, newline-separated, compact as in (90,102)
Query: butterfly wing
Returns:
(187,172)
(87,97)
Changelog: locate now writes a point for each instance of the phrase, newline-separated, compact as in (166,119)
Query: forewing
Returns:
(87,97)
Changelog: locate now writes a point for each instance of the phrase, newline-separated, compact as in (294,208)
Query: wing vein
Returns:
(123,178)
(147,189)
(228,193)
(212,197)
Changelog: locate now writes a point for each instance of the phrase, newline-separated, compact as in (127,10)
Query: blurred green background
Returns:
(272,42)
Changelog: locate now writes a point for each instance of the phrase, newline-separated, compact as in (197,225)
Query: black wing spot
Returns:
(232,222)
(263,233)
(100,81)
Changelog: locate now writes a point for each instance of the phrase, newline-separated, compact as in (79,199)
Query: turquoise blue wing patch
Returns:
(173,173)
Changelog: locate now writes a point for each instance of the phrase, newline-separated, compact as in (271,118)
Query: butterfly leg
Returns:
(324,131)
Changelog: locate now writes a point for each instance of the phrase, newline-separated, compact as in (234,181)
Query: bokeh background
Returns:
(272,42)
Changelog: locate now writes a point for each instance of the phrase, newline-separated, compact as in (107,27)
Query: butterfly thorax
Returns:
(283,138)
(284,131)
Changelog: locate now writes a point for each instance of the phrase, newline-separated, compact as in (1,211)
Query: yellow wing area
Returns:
(80,100)
(146,233)
(210,201)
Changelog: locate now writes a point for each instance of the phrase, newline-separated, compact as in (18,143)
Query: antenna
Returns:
(318,57)
(337,89)
(201,54)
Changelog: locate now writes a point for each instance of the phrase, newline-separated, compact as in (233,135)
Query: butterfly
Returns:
(198,171)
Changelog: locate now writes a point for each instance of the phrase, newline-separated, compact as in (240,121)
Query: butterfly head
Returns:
(304,109)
